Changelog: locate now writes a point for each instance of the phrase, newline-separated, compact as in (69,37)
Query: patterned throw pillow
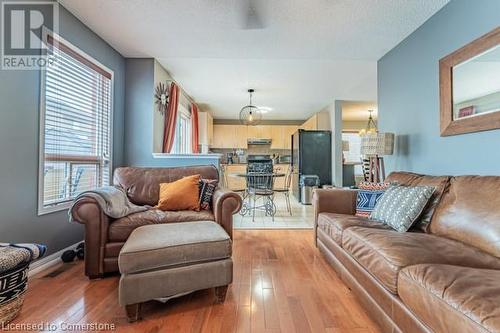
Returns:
(207,189)
(368,196)
(401,206)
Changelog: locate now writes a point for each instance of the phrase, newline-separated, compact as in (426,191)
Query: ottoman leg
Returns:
(133,312)
(220,294)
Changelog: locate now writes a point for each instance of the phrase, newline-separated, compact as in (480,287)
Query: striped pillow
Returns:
(207,189)
(368,195)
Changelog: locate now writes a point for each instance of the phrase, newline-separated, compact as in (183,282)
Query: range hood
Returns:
(258,141)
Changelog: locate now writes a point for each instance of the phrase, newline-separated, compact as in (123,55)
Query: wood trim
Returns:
(73,158)
(68,50)
(485,122)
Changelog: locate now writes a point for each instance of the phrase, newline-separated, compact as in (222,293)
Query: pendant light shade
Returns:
(250,115)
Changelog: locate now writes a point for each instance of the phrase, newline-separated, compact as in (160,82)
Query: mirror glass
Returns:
(476,85)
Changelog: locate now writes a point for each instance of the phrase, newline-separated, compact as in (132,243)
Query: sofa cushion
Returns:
(142,185)
(160,246)
(120,229)
(368,195)
(469,212)
(335,224)
(182,194)
(384,253)
(440,184)
(451,298)
(401,206)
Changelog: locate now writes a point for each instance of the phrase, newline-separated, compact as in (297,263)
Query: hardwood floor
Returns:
(281,284)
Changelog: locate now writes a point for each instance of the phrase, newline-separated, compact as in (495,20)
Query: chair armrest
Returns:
(339,201)
(87,211)
(225,203)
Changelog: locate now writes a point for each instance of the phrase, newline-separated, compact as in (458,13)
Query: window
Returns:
(75,126)
(354,153)
(182,140)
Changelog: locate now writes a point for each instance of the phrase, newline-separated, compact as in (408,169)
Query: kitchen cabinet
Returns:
(229,136)
(279,182)
(205,128)
(234,182)
(278,137)
(319,121)
(241,136)
(260,131)
(311,123)
(281,136)
(236,136)
(237,183)
(223,136)
(287,136)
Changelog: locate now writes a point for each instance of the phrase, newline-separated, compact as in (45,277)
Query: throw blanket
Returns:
(11,255)
(112,200)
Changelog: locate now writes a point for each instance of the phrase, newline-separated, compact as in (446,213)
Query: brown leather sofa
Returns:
(439,277)
(104,237)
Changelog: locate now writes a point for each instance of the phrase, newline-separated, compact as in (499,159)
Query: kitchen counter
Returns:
(237,183)
(179,156)
(247,163)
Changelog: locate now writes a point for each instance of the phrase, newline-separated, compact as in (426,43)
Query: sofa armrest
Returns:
(87,211)
(225,203)
(339,201)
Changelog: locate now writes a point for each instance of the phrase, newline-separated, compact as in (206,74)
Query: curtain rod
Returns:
(182,90)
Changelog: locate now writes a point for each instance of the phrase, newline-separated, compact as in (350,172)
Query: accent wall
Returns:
(143,123)
(19,136)
(408,95)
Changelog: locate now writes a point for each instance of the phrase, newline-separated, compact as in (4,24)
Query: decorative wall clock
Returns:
(161,98)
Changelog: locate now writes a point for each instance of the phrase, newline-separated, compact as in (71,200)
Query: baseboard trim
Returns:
(44,263)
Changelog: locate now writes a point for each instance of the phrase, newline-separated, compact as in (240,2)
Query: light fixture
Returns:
(374,146)
(371,126)
(250,115)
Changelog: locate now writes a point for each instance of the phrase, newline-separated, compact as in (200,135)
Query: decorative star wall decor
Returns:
(161,98)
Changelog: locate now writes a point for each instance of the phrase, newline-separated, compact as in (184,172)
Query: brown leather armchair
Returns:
(104,236)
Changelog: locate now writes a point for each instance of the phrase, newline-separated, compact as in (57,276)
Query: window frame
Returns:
(46,34)
(183,112)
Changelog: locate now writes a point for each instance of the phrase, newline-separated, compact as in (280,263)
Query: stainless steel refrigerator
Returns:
(311,155)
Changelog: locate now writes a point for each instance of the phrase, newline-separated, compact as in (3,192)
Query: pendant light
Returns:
(250,115)
(371,126)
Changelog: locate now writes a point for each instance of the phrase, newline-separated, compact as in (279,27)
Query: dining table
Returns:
(269,207)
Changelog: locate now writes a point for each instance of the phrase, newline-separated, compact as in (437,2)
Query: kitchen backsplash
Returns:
(251,150)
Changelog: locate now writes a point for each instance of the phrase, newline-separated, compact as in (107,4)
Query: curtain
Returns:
(170,119)
(194,128)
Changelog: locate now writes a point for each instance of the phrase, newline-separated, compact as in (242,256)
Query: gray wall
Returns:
(139,108)
(408,95)
(19,133)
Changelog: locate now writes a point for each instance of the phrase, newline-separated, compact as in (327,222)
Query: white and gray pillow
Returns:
(401,206)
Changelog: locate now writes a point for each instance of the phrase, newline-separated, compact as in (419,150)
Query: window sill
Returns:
(53,209)
(194,156)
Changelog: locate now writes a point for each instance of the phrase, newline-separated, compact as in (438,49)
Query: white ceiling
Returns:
(310,53)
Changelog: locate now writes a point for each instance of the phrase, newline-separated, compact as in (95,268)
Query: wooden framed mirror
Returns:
(469,83)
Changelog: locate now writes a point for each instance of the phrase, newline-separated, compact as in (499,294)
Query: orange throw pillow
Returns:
(183,194)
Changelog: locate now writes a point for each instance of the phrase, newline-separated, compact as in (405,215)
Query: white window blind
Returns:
(76,126)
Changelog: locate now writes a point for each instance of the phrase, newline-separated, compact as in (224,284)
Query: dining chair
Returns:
(260,184)
(285,190)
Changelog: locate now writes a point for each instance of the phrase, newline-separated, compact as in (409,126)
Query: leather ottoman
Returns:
(166,260)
